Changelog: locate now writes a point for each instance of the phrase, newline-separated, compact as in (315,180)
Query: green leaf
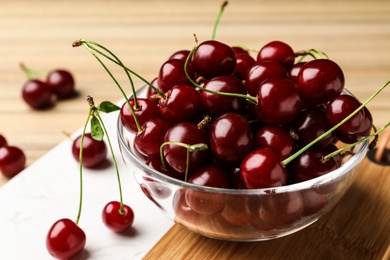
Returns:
(108,107)
(97,132)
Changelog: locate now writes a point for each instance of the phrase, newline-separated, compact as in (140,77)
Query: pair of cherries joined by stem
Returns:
(65,238)
(39,94)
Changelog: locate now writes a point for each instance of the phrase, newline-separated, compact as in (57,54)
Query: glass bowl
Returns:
(240,214)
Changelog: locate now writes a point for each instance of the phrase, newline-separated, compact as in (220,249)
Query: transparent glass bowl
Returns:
(240,215)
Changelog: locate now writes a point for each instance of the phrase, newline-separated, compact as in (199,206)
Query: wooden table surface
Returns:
(356,34)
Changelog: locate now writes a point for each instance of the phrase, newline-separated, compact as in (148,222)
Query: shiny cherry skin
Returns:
(150,92)
(146,110)
(62,83)
(215,104)
(363,131)
(12,161)
(310,124)
(320,81)
(310,165)
(279,52)
(262,169)
(3,141)
(180,55)
(176,155)
(172,73)
(65,239)
(339,108)
(149,140)
(155,163)
(261,71)
(231,138)
(279,101)
(213,58)
(181,103)
(240,50)
(210,175)
(294,71)
(243,64)
(116,220)
(94,151)
(38,95)
(276,138)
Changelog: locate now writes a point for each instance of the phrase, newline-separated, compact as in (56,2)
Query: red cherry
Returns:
(172,73)
(363,131)
(12,161)
(230,138)
(294,71)
(320,81)
(3,141)
(38,95)
(211,176)
(279,101)
(214,58)
(279,52)
(61,82)
(180,55)
(116,220)
(65,239)
(262,169)
(147,109)
(94,151)
(243,64)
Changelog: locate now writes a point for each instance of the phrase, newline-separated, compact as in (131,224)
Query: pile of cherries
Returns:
(12,159)
(225,119)
(39,94)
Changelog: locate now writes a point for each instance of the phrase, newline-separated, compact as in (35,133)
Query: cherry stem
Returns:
(189,147)
(139,128)
(87,43)
(315,54)
(29,73)
(96,112)
(327,157)
(247,97)
(295,155)
(224,4)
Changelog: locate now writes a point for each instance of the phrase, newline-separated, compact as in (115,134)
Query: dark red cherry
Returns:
(210,175)
(65,239)
(172,73)
(294,71)
(62,83)
(320,81)
(310,165)
(181,103)
(214,58)
(339,108)
(276,138)
(240,50)
(146,110)
(148,141)
(279,101)
(230,138)
(38,95)
(12,160)
(244,63)
(176,155)
(216,104)
(310,124)
(150,92)
(3,141)
(364,130)
(155,163)
(261,71)
(279,52)
(180,55)
(117,219)
(94,151)
(262,169)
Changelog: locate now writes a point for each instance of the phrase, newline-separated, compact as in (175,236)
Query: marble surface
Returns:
(48,190)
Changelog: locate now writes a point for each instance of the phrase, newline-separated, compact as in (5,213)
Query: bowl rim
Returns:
(361,150)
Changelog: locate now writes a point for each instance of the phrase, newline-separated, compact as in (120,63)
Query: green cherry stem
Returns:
(31,74)
(315,54)
(189,148)
(97,114)
(88,43)
(224,4)
(247,97)
(375,134)
(139,128)
(295,155)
